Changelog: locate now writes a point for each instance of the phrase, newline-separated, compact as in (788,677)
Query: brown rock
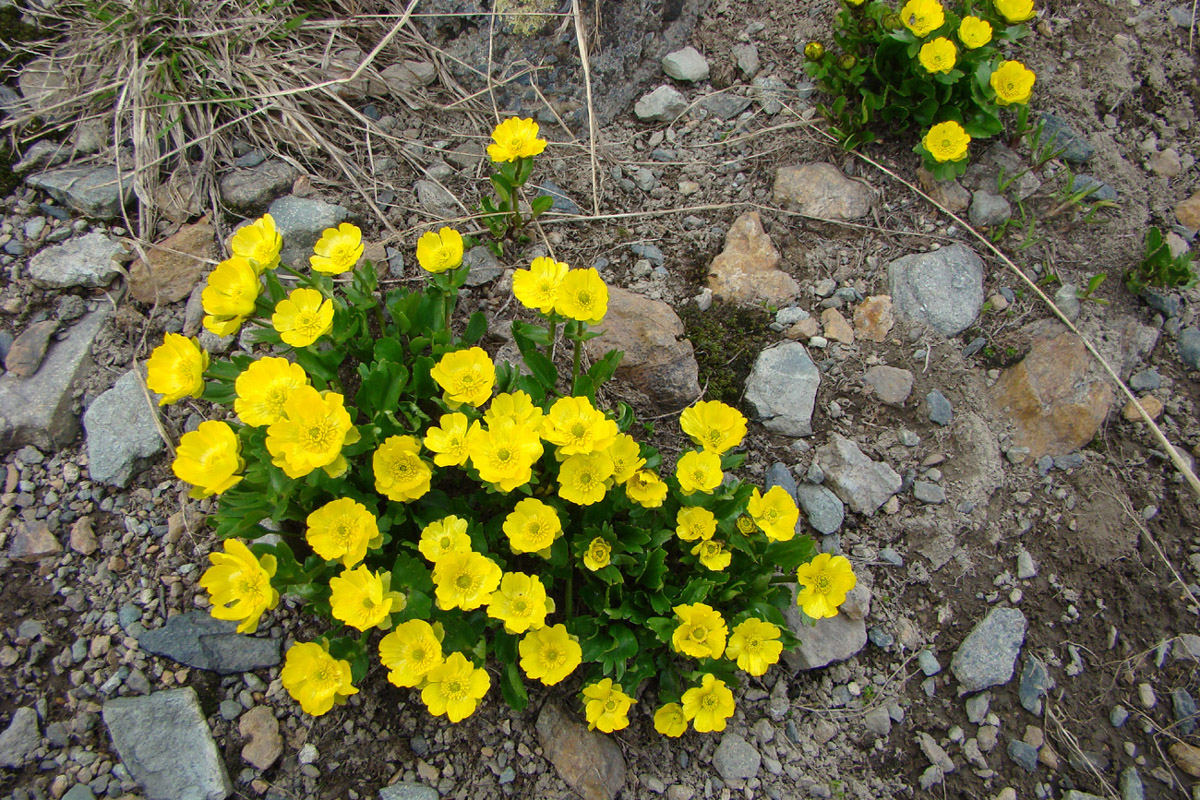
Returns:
(998,302)
(1047,397)
(747,270)
(589,762)
(821,190)
(261,729)
(873,319)
(950,195)
(890,384)
(1150,404)
(33,542)
(83,538)
(1188,212)
(176,265)
(1166,163)
(26,353)
(1186,757)
(658,359)
(836,327)
(804,329)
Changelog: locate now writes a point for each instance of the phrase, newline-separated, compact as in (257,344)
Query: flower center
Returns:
(464,581)
(446,543)
(504,455)
(343,533)
(586,480)
(552,656)
(454,689)
(319,435)
(579,430)
(520,607)
(584,298)
(402,469)
(343,254)
(418,655)
(699,634)
(611,705)
(709,702)
(822,584)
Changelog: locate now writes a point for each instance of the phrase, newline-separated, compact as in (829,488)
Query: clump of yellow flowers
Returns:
(438,509)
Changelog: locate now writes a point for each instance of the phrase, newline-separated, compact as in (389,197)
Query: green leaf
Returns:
(542,368)
(541,204)
(512,686)
(603,369)
(655,569)
(476,328)
(791,554)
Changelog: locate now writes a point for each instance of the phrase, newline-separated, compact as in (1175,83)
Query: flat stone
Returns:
(82,261)
(686,65)
(121,433)
(43,84)
(821,507)
(988,656)
(658,360)
(588,761)
(782,389)
(1184,707)
(950,194)
(779,475)
(1187,212)
(891,385)
(482,266)
(939,409)
(1034,684)
(1150,404)
(878,721)
(33,541)
(835,326)
(1067,300)
(80,791)
(264,745)
(1186,757)
(747,270)
(1023,754)
(196,639)
(820,190)
(301,221)
(725,105)
(435,198)
(770,92)
(1057,134)
(249,191)
(165,743)
(861,483)
(928,663)
(175,265)
(663,104)
(745,56)
(92,191)
(736,759)
(873,318)
(942,289)
(27,350)
(408,791)
(1075,794)
(1096,189)
(830,640)
(21,739)
(928,492)
(83,537)
(407,75)
(1131,785)
(988,209)
(560,201)
(1189,347)
(977,707)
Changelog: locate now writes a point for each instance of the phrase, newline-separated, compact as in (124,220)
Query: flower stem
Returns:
(571,591)
(553,333)
(575,364)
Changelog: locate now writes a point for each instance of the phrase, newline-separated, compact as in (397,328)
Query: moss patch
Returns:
(727,339)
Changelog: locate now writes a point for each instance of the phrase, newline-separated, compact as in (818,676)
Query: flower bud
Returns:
(866,25)
(847,62)
(891,21)
(814,51)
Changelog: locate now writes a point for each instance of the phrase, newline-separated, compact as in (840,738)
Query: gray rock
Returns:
(1075,794)
(928,663)
(20,739)
(1026,568)
(165,743)
(1035,683)
(663,104)
(736,759)
(435,198)
(1096,189)
(686,65)
(832,639)
(1146,380)
(821,190)
(931,777)
(1067,300)
(91,191)
(889,555)
(121,433)
(861,483)
(939,408)
(942,289)
(80,791)
(83,261)
(988,209)
(779,475)
(408,791)
(1118,716)
(782,389)
(891,385)
(196,639)
(745,55)
(1023,754)
(725,105)
(928,492)
(769,92)
(407,75)
(42,153)
(789,316)
(821,507)
(1189,347)
(977,707)
(251,190)
(300,222)
(561,202)
(1169,305)
(936,754)
(1058,134)
(1131,785)
(878,721)
(1184,706)
(587,760)
(483,266)
(988,655)
(1181,16)
(37,410)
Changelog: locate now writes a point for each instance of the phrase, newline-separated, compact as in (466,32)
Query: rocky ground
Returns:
(1026,622)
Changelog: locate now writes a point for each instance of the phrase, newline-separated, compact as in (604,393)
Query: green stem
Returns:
(571,591)
(553,333)
(575,364)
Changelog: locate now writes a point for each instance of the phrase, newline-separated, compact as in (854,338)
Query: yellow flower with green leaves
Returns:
(259,243)
(176,369)
(302,317)
(699,471)
(263,387)
(974,32)
(504,454)
(515,138)
(454,688)
(708,705)
(582,296)
(775,513)
(400,474)
(229,296)
(532,526)
(922,17)
(1013,83)
(712,554)
(701,631)
(755,645)
(440,251)
(646,489)
(536,288)
(583,479)
(607,707)
(464,580)
(410,652)
(338,250)
(448,441)
(209,458)
(315,679)
(342,529)
(938,55)
(550,654)
(824,583)
(311,433)
(694,523)
(626,455)
(670,721)
(364,599)
(598,554)
(516,407)
(239,585)
(442,537)
(466,376)
(576,427)
(713,425)
(947,141)
(520,603)
(1015,11)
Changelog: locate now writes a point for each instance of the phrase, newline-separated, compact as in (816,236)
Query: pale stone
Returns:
(747,270)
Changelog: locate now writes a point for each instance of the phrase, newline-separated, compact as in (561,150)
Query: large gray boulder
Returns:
(782,389)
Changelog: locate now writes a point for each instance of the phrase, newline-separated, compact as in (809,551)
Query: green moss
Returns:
(525,17)
(727,339)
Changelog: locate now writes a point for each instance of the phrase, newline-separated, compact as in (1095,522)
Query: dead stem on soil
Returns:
(1072,745)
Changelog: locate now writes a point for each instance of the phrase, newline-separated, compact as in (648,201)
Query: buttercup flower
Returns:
(775,512)
(576,427)
(814,51)
(438,252)
(466,376)
(239,585)
(532,526)
(455,687)
(669,721)
(745,525)
(342,529)
(712,554)
(583,479)
(713,425)
(520,603)
(699,471)
(400,474)
(974,32)
(938,55)
(947,141)
(176,369)
(1015,11)
(410,652)
(537,287)
(626,455)
(316,679)
(209,458)
(550,654)
(824,582)
(708,705)
(259,243)
(516,407)
(338,250)
(464,580)
(755,645)
(504,454)
(922,17)
(311,433)
(364,599)
(302,317)
(583,296)
(515,138)
(646,489)
(449,441)
(607,706)
(701,631)
(443,537)
(597,555)
(263,388)
(694,522)
(229,296)
(1013,83)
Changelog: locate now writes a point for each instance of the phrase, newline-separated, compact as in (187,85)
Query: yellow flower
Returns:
(708,705)
(775,512)
(597,554)
(259,243)
(626,455)
(363,599)
(669,721)
(311,433)
(263,388)
(550,654)
(504,454)
(755,645)
(515,138)
(454,688)
(176,369)
(443,537)
(303,317)
(344,529)
(410,652)
(699,471)
(537,287)
(694,522)
(239,585)
(938,55)
(466,376)
(400,474)
(814,51)
(532,526)
(583,296)
(1013,83)
(947,141)
(338,250)
(520,603)
(713,425)
(209,458)
(712,554)
(701,631)
(745,525)
(607,707)
(229,296)
(464,580)
(438,252)
(316,679)
(517,407)
(922,17)
(646,489)
(449,441)
(824,582)
(1015,11)
(974,32)
(576,427)
(582,479)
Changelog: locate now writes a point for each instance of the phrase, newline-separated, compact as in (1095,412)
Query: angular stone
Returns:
(820,190)
(873,319)
(829,641)
(736,759)
(196,639)
(861,483)
(782,389)
(1188,212)
(1189,347)
(1058,134)
(942,289)
(92,191)
(264,745)
(686,65)
(663,104)
(1150,404)
(435,198)
(27,350)
(43,84)
(658,359)
(821,507)
(950,194)
(121,432)
(301,221)
(82,261)
(20,739)
(407,75)
(32,542)
(1186,757)
(175,266)
(747,270)
(589,762)
(988,656)
(482,266)
(836,327)
(83,537)
(725,105)
(404,790)
(988,209)
(249,191)
(891,385)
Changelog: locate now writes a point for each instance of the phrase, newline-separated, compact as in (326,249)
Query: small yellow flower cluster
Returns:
(551,287)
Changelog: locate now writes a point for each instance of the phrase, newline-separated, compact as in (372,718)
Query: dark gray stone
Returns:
(940,410)
(1069,461)
(1058,134)
(121,433)
(928,663)
(928,492)
(1035,683)
(483,266)
(778,474)
(1145,381)
(988,655)
(782,389)
(21,739)
(1189,347)
(562,203)
(725,105)
(1184,707)
(1096,189)
(1023,754)
(942,289)
(92,191)
(251,190)
(408,791)
(975,345)
(821,507)
(300,222)
(1131,785)
(988,209)
(80,791)
(83,261)
(651,252)
(198,640)
(1169,305)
